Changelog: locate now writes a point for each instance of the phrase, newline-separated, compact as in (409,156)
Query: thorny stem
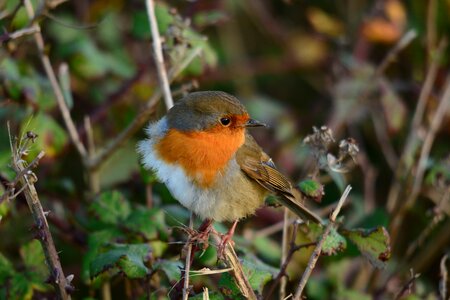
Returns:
(315,255)
(57,278)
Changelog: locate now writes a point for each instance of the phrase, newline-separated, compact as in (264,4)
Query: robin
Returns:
(209,162)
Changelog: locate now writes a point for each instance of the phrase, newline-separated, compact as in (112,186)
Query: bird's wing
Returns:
(259,166)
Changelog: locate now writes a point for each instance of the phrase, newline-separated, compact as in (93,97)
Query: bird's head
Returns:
(210,111)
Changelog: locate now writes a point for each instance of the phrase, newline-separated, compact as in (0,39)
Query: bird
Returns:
(202,150)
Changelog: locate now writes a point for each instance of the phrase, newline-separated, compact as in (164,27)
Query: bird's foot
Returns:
(225,239)
(200,236)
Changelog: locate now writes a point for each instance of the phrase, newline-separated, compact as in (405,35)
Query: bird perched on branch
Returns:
(209,162)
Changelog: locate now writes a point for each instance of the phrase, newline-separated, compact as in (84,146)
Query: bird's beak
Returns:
(254,123)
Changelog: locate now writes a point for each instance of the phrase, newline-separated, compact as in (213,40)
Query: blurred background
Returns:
(373,71)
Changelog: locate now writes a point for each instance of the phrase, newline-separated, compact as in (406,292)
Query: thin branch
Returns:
(284,254)
(282,273)
(158,54)
(315,255)
(413,136)
(436,122)
(11,185)
(392,54)
(57,278)
(18,34)
(444,277)
(232,261)
(408,285)
(103,154)
(187,265)
(55,85)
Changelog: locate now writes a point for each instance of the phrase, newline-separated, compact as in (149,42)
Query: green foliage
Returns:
(111,208)
(311,189)
(287,64)
(374,244)
(22,282)
(129,259)
(172,269)
(257,272)
(334,242)
(117,221)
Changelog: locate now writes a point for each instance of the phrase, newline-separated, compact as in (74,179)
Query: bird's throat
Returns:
(202,154)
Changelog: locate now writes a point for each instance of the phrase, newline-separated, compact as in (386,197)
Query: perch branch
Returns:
(232,261)
(315,255)
(187,265)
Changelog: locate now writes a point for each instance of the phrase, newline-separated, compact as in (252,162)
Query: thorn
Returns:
(46,213)
(69,278)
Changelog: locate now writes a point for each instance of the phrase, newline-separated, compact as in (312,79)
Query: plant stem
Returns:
(158,54)
(57,278)
(315,255)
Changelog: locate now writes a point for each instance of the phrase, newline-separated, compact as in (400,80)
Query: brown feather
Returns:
(259,166)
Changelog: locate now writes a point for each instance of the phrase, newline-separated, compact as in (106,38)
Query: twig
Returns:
(408,285)
(43,234)
(444,278)
(232,261)
(54,83)
(284,254)
(412,139)
(24,172)
(436,122)
(18,34)
(158,54)
(392,54)
(282,273)
(187,265)
(137,123)
(431,26)
(315,255)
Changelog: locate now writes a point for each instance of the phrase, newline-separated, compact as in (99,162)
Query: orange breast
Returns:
(202,154)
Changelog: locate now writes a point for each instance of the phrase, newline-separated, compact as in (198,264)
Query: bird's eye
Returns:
(225,121)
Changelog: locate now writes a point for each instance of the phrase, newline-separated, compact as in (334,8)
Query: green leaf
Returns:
(111,207)
(149,223)
(129,258)
(333,243)
(312,189)
(172,269)
(96,241)
(374,244)
(257,272)
(34,258)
